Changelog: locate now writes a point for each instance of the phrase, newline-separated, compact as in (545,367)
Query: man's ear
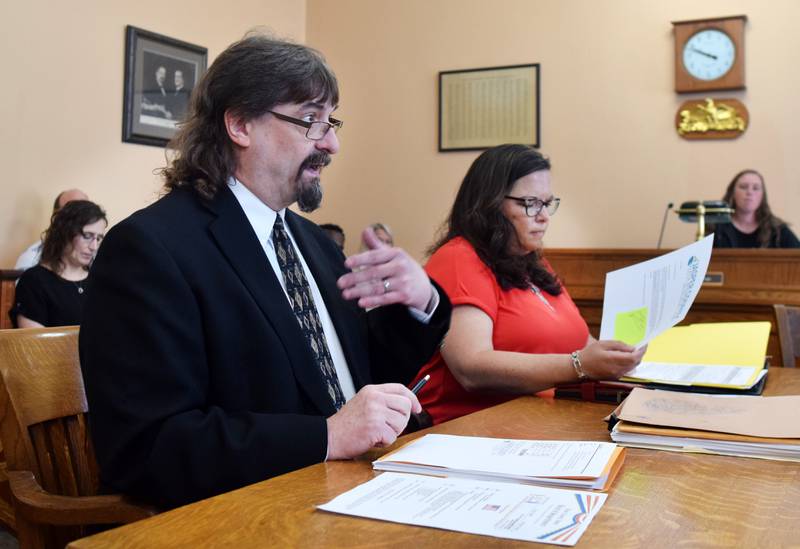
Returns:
(238,129)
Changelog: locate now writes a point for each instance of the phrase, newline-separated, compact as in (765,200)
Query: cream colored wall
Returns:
(607,110)
(61,98)
(607,106)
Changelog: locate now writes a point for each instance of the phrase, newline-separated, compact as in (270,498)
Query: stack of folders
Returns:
(745,426)
(585,465)
(722,357)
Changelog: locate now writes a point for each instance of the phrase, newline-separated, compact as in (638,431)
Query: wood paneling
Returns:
(754,280)
(8,280)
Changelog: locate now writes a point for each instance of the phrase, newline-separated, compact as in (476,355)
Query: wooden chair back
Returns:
(43,410)
(49,452)
(788,320)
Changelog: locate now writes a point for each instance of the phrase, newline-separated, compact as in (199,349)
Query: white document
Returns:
(512,511)
(510,458)
(696,374)
(767,450)
(644,300)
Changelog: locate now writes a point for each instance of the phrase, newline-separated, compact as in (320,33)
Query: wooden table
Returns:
(661,499)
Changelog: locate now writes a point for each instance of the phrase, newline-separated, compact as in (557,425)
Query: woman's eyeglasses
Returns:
(533,206)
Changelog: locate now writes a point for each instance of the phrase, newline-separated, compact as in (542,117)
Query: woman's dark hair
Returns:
(769,225)
(477,216)
(248,79)
(66,224)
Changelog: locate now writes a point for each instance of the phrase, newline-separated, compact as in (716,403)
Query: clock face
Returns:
(709,54)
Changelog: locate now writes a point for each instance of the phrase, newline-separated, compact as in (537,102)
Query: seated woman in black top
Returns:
(752,225)
(52,293)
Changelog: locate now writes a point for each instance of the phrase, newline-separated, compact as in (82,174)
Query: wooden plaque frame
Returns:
(733,26)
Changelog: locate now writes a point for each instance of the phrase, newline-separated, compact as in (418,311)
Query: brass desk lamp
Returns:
(715,212)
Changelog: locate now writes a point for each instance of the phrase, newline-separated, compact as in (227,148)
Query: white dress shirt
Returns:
(262,218)
(30,257)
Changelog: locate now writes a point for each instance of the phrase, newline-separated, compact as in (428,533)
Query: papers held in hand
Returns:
(758,427)
(574,464)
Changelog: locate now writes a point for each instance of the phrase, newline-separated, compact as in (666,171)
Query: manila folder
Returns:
(775,417)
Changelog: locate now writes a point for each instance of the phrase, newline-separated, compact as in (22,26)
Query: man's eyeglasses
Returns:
(314,130)
(533,206)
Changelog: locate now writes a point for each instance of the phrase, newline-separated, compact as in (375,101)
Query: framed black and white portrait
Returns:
(160,74)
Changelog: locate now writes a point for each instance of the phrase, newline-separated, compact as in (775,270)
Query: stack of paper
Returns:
(727,355)
(529,513)
(758,427)
(575,464)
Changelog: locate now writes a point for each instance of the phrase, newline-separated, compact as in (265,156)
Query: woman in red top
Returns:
(514,328)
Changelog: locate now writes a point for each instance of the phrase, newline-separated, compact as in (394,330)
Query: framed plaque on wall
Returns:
(482,108)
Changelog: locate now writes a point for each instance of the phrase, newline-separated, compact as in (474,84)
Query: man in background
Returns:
(32,253)
(335,233)
(154,100)
(226,339)
(179,97)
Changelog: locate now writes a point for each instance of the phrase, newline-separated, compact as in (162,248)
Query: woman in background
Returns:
(383,233)
(53,292)
(514,328)
(752,224)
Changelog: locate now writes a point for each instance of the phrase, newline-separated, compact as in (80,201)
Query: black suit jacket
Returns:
(198,377)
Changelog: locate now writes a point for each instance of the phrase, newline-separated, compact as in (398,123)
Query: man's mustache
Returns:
(315,159)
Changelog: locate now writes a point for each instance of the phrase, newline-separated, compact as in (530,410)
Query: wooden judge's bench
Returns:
(745,284)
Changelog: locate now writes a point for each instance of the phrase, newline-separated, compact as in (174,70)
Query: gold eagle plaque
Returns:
(711,119)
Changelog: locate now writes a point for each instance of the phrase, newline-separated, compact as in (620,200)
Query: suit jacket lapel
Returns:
(341,312)
(238,242)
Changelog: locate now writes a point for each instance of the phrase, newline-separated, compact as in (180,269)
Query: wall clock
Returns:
(709,54)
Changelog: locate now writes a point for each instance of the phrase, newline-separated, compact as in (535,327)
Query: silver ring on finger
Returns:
(386,285)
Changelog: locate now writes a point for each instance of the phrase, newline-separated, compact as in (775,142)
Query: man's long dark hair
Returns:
(65,224)
(477,217)
(769,225)
(249,78)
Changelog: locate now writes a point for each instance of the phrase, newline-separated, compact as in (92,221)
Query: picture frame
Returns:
(486,107)
(160,74)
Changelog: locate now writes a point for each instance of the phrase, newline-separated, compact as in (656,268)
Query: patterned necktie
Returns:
(304,309)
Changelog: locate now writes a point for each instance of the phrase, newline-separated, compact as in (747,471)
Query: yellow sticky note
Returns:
(631,327)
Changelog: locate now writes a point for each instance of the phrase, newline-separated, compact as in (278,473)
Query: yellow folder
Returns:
(722,343)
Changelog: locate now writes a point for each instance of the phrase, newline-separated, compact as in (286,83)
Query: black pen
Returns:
(420,384)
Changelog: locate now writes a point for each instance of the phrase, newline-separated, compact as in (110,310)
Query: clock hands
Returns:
(701,52)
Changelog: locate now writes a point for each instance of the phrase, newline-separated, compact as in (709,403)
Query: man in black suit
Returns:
(179,98)
(155,99)
(226,339)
